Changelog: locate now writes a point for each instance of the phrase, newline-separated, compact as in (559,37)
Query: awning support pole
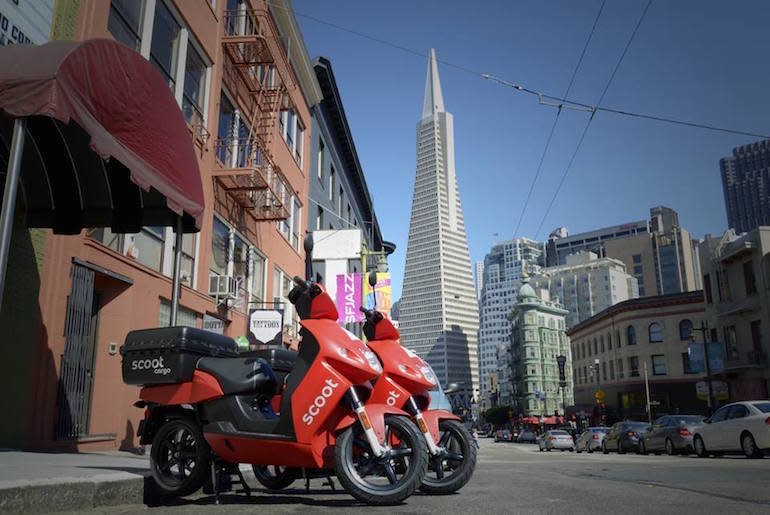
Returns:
(176,283)
(9,197)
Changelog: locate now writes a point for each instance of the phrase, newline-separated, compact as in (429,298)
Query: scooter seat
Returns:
(241,375)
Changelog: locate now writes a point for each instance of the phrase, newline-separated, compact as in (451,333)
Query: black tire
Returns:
(642,448)
(670,449)
(700,447)
(413,463)
(605,450)
(179,444)
(274,477)
(749,446)
(458,439)
(620,448)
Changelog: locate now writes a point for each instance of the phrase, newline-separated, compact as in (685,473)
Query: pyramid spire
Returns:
(434,101)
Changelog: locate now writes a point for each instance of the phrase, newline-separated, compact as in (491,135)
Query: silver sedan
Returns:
(556,439)
(591,439)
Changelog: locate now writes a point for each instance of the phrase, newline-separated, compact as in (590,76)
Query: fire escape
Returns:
(257,74)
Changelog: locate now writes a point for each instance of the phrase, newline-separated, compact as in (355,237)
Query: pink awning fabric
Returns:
(98,96)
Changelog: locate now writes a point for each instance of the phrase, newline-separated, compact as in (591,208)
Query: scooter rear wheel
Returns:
(388,479)
(274,477)
(179,457)
(453,468)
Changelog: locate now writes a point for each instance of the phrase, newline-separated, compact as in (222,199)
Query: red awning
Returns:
(106,143)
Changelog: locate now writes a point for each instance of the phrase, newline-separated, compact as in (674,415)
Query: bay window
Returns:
(164,48)
(194,86)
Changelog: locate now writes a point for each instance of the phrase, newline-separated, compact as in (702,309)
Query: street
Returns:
(516,478)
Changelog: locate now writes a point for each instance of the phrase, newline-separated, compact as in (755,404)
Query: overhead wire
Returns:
(593,115)
(560,102)
(556,121)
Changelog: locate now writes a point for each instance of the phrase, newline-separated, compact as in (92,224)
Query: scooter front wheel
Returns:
(390,478)
(274,477)
(179,457)
(453,467)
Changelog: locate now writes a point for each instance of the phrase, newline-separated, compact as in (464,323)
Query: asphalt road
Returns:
(516,478)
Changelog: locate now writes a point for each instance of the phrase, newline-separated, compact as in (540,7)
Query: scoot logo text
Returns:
(319,402)
(392,398)
(155,364)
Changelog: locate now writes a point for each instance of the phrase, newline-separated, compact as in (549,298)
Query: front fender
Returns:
(433,417)
(376,414)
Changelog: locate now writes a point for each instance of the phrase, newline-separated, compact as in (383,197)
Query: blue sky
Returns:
(702,61)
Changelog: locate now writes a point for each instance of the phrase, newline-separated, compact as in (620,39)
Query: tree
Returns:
(497,415)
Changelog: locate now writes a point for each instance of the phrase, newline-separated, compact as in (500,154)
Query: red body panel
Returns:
(400,366)
(433,416)
(203,387)
(376,413)
(385,330)
(239,449)
(323,307)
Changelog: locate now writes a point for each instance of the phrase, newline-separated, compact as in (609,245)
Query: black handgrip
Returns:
(299,281)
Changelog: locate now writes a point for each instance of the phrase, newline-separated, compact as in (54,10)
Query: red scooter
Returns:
(404,383)
(208,409)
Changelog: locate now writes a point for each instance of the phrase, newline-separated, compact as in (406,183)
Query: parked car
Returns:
(503,435)
(624,436)
(526,437)
(556,439)
(591,439)
(671,433)
(737,427)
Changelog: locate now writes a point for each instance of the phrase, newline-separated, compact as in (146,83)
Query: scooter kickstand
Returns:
(330,482)
(215,482)
(246,487)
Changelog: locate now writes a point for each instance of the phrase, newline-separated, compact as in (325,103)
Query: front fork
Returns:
(433,448)
(363,418)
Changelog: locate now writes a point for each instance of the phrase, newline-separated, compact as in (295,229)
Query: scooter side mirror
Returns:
(452,388)
(308,245)
(372,279)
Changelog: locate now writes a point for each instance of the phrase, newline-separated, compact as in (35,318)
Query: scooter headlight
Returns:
(427,373)
(373,361)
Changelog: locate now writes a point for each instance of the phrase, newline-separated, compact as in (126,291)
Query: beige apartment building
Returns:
(736,289)
(611,350)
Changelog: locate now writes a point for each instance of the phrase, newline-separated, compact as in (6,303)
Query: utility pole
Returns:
(647,391)
(703,329)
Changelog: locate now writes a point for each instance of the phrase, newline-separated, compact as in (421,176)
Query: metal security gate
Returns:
(77,362)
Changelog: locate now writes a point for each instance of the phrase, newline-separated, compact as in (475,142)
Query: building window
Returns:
(604,370)
(620,368)
(184,316)
(685,330)
(633,366)
(601,341)
(319,220)
(331,184)
(194,86)
(658,365)
(731,342)
(609,341)
(655,332)
(296,219)
(617,337)
(686,366)
(612,370)
(125,21)
(164,49)
(583,349)
(148,247)
(220,243)
(631,335)
(257,278)
(707,288)
(596,347)
(320,160)
(188,257)
(749,279)
(340,202)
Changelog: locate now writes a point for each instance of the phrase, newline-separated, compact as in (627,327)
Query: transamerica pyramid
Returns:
(439,317)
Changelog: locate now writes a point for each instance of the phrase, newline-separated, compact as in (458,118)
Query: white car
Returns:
(740,426)
(556,439)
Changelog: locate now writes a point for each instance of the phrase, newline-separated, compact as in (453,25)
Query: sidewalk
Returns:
(47,482)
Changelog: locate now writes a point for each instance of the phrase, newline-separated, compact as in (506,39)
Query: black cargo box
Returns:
(169,354)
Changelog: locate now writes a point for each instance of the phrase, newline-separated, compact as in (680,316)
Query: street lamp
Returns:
(561,360)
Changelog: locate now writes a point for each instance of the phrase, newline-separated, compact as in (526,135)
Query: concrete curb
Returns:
(75,495)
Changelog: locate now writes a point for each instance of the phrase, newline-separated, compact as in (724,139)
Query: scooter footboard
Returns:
(432,419)
(376,414)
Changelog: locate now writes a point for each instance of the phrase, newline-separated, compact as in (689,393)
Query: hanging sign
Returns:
(349,298)
(266,326)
